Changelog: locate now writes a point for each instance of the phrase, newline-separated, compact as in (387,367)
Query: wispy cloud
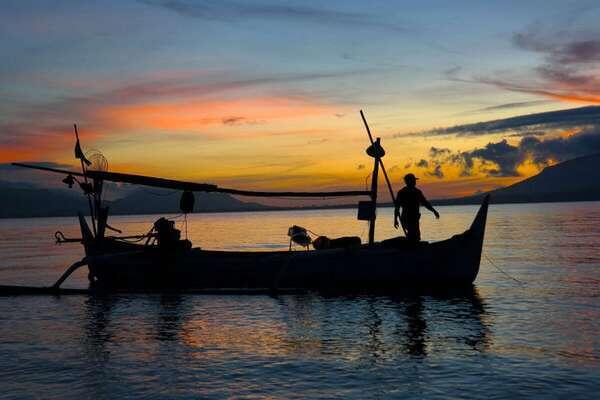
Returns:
(508,106)
(172,102)
(573,117)
(224,10)
(568,72)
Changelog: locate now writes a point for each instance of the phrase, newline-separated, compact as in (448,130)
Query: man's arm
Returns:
(428,206)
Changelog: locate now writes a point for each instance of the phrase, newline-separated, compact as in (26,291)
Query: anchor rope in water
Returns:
(501,270)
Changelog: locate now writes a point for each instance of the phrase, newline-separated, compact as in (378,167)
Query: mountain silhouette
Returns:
(23,200)
(573,180)
(155,201)
(19,201)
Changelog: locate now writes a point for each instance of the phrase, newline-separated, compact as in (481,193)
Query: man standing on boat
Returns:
(410,199)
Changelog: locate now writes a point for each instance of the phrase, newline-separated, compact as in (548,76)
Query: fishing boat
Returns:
(161,260)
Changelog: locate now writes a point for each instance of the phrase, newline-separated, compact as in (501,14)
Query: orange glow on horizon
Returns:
(192,115)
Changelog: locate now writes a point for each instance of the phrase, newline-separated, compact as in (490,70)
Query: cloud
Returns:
(503,159)
(436,172)
(565,50)
(508,106)
(568,72)
(175,102)
(317,141)
(224,10)
(436,152)
(233,121)
(422,164)
(502,154)
(568,118)
(528,133)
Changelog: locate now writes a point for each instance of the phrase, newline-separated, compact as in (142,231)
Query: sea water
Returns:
(529,328)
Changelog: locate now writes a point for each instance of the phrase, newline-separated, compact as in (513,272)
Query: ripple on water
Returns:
(501,340)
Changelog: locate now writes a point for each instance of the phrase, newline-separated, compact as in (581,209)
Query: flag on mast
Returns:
(78,152)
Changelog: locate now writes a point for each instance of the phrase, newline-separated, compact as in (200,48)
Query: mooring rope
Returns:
(501,270)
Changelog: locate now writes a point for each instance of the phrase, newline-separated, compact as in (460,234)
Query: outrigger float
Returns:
(161,261)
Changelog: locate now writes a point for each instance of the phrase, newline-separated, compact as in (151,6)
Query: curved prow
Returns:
(86,233)
(478,225)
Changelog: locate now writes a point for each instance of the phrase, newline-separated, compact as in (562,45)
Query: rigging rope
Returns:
(501,270)
(185,222)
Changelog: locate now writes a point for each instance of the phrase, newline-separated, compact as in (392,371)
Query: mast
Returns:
(377,152)
(374,195)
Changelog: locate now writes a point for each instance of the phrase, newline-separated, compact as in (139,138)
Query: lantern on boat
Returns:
(186,204)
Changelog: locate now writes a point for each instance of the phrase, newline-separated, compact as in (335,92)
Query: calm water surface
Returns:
(504,339)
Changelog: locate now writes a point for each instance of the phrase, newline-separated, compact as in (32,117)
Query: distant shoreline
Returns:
(438,202)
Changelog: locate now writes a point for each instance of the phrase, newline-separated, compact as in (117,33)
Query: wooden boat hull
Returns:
(384,266)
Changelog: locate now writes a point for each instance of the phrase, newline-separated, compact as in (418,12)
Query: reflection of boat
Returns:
(160,260)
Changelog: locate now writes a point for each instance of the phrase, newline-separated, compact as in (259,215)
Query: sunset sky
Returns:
(267,94)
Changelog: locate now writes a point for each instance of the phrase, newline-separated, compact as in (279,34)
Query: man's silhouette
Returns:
(410,199)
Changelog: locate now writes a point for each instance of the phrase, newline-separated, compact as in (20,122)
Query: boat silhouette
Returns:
(161,261)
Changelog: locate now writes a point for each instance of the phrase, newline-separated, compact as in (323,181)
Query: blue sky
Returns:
(272,88)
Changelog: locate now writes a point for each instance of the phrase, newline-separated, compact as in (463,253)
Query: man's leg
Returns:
(417,231)
(412,229)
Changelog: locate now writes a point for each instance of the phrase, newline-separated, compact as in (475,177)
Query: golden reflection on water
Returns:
(311,326)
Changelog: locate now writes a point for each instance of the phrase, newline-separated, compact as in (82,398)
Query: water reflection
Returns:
(362,329)
(97,330)
(415,344)
(171,313)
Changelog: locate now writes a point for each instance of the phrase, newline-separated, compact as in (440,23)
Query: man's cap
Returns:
(410,177)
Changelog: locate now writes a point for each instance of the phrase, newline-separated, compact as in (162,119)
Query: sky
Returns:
(467,95)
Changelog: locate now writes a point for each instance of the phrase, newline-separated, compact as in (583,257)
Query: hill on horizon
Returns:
(24,200)
(154,201)
(577,179)
(573,180)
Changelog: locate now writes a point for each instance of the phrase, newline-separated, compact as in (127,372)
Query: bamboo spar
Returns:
(205,187)
(191,186)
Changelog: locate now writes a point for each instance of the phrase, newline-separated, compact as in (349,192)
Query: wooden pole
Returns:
(385,175)
(191,186)
(374,198)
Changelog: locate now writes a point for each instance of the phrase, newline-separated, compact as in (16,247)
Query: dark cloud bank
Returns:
(522,125)
(502,159)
